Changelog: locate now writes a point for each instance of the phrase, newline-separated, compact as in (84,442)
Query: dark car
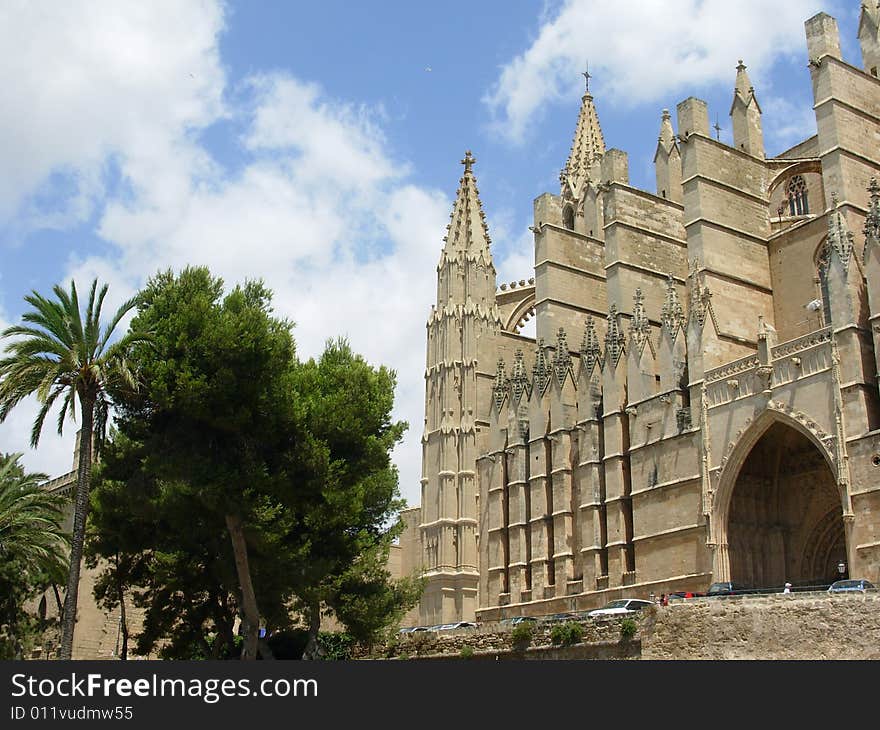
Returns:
(559,617)
(728,588)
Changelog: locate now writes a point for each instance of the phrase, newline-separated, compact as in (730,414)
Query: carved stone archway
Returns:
(778,511)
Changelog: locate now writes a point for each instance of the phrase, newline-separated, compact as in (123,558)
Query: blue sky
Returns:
(317,145)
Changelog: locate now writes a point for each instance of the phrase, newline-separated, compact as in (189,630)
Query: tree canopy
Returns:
(243,482)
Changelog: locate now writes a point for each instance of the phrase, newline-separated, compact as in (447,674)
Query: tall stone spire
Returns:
(467,232)
(745,112)
(587,147)
(461,330)
(667,161)
(466,271)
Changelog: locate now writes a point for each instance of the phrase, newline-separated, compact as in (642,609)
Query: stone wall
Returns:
(793,626)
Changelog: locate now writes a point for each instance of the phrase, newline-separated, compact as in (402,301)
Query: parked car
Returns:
(559,617)
(852,585)
(516,620)
(620,606)
(728,588)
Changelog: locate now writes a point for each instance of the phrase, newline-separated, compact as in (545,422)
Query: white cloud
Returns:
(644,51)
(319,207)
(85,84)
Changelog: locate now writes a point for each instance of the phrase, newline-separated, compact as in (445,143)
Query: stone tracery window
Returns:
(797,196)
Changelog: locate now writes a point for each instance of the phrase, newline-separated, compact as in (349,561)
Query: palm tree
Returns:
(58,354)
(30,520)
(33,546)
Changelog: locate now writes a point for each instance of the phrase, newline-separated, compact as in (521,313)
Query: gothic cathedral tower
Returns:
(462,329)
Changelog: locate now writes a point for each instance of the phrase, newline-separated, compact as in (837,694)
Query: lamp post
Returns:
(841,568)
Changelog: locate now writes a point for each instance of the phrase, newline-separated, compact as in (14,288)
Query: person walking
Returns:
(787,588)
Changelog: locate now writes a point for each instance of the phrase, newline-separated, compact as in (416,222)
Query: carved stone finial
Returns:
(614,337)
(541,370)
(562,358)
(640,327)
(872,220)
(519,381)
(468,161)
(840,239)
(672,315)
(499,388)
(591,353)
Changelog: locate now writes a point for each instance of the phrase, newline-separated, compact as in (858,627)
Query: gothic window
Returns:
(568,217)
(797,196)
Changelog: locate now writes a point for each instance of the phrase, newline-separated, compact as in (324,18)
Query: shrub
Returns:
(467,652)
(567,634)
(336,645)
(628,628)
(522,635)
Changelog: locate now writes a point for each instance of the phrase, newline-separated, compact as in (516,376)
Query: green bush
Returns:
(336,645)
(628,628)
(567,634)
(467,652)
(522,635)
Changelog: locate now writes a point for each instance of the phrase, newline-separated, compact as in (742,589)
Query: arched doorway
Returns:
(785,519)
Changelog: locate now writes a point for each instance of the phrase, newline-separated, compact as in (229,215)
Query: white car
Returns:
(620,606)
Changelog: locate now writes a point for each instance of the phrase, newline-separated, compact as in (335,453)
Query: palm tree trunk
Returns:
(80,514)
(248,598)
(58,601)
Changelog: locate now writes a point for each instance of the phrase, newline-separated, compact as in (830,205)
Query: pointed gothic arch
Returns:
(778,512)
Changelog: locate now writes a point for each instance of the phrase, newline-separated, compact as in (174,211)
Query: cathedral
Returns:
(700,401)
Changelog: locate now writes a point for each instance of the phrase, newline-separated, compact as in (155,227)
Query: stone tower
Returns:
(461,329)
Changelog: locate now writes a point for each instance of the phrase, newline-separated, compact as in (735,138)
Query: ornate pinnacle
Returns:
(672,315)
(614,338)
(541,371)
(499,388)
(562,358)
(872,220)
(518,379)
(590,350)
(640,327)
(840,239)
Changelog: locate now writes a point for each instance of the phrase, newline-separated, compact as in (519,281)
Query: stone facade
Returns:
(700,402)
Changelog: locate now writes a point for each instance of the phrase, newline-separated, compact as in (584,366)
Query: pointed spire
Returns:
(639,327)
(743,90)
(840,239)
(591,353)
(541,370)
(666,140)
(872,220)
(587,147)
(519,381)
(614,338)
(700,296)
(467,231)
(672,315)
(499,387)
(562,358)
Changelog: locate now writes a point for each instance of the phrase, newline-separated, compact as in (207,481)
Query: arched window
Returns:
(568,217)
(797,196)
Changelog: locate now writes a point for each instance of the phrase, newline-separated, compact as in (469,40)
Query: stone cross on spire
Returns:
(468,161)
(587,147)
(587,76)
